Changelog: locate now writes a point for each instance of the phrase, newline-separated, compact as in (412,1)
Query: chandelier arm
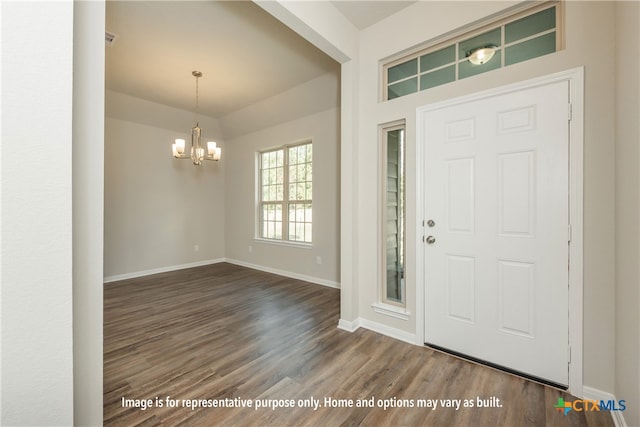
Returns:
(198,151)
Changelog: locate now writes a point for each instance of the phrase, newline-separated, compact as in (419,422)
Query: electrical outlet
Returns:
(318,260)
(196,248)
(250,248)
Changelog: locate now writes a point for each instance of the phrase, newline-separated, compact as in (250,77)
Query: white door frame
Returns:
(575,110)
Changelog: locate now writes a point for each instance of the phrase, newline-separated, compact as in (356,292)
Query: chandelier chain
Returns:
(197,100)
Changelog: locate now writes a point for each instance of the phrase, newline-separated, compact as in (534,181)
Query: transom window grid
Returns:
(519,37)
(286,193)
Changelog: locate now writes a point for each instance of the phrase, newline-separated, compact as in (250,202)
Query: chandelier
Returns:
(197,149)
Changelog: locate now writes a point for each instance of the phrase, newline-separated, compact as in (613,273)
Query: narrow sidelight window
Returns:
(392,213)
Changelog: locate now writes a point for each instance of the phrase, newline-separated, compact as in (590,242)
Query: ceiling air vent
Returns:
(110,38)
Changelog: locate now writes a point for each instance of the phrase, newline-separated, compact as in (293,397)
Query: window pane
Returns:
(467,69)
(403,88)
(293,176)
(437,78)
(490,38)
(533,48)
(530,25)
(271,221)
(300,222)
(401,71)
(309,157)
(437,59)
(308,191)
(293,155)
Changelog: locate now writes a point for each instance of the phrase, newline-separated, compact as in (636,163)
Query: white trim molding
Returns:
(391,310)
(304,277)
(377,327)
(595,394)
(349,326)
(133,275)
(388,331)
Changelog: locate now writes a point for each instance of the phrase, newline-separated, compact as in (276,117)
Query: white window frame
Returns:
(285,203)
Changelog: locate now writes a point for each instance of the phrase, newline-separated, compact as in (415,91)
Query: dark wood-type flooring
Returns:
(223,331)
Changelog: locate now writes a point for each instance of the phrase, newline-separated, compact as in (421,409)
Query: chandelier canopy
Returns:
(213,152)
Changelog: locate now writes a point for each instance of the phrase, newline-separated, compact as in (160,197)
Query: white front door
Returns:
(497,214)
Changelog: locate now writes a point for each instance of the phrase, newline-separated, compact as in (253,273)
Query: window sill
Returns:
(284,243)
(391,310)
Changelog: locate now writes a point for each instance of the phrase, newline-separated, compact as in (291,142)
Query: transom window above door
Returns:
(510,39)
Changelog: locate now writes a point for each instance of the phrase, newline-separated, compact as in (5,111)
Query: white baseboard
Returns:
(135,274)
(348,326)
(591,393)
(388,331)
(304,277)
(379,328)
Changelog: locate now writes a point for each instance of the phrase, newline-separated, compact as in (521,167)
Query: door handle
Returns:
(431,240)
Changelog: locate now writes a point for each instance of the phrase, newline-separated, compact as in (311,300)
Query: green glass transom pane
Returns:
(533,48)
(402,88)
(401,71)
(437,59)
(467,69)
(490,38)
(438,77)
(530,25)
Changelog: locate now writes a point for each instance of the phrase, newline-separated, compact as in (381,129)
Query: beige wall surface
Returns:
(241,211)
(157,209)
(627,372)
(589,28)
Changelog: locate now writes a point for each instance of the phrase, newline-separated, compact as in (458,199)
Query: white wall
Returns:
(323,129)
(589,26)
(157,208)
(88,210)
(627,372)
(36,240)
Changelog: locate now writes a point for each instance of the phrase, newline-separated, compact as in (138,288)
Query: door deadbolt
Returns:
(431,223)
(431,240)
